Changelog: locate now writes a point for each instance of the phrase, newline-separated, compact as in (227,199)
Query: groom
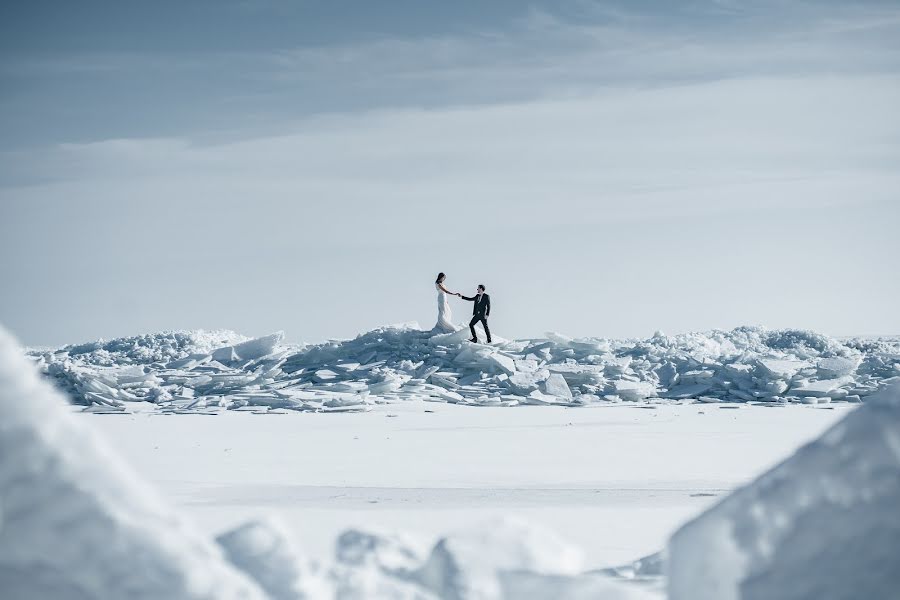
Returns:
(480,312)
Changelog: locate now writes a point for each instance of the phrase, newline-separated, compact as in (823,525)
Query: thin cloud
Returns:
(580,52)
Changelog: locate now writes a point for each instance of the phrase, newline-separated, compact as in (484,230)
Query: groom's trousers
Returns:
(487,330)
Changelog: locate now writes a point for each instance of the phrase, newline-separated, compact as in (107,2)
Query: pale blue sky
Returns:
(606,168)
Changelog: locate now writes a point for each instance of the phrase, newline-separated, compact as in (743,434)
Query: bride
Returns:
(445,317)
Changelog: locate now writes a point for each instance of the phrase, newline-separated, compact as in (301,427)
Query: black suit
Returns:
(480,312)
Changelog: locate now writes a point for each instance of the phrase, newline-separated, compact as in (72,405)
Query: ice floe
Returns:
(204,372)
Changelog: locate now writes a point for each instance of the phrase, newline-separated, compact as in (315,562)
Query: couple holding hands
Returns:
(480,312)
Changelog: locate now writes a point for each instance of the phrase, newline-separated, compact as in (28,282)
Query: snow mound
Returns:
(823,524)
(263,551)
(184,372)
(469,565)
(75,522)
(376,564)
(388,552)
(505,559)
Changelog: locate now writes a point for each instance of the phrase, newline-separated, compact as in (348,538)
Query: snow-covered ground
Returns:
(614,479)
(406,465)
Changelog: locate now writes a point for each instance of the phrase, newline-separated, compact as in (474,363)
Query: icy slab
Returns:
(76,523)
(396,363)
(823,524)
(525,383)
(225,355)
(837,367)
(782,369)
(259,347)
(249,350)
(633,391)
(502,363)
(556,385)
(820,388)
(682,392)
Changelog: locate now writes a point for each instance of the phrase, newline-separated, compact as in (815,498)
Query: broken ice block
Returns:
(225,355)
(783,369)
(832,368)
(819,388)
(775,386)
(467,565)
(556,385)
(524,383)
(323,375)
(681,392)
(259,347)
(189,362)
(577,374)
(502,363)
(667,374)
(633,391)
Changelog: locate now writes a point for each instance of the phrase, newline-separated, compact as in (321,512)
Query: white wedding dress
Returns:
(445,316)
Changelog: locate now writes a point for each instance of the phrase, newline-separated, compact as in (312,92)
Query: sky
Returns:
(606,169)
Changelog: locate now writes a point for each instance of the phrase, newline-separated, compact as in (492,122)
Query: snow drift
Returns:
(506,559)
(75,523)
(187,372)
(823,524)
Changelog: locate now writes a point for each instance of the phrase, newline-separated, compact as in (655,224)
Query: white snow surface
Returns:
(198,371)
(823,524)
(75,523)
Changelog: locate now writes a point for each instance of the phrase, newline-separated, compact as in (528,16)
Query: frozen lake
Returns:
(615,479)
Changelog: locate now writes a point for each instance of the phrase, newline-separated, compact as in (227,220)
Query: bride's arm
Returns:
(443,289)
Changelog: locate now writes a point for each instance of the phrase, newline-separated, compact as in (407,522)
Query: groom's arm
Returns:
(472,299)
(487,311)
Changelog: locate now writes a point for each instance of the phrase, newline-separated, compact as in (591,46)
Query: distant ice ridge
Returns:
(151,348)
(198,371)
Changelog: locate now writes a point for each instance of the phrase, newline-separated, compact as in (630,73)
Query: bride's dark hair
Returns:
(440,278)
